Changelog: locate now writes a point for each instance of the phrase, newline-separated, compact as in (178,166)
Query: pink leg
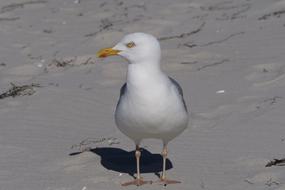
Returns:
(163,180)
(139,180)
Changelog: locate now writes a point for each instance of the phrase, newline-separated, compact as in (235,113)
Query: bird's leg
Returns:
(139,180)
(138,155)
(164,156)
(163,180)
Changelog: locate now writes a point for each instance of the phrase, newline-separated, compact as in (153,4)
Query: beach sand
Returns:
(227,55)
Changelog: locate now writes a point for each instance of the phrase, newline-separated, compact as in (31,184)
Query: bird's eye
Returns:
(130,44)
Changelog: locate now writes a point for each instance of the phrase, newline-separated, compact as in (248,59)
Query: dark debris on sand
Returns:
(276,162)
(24,90)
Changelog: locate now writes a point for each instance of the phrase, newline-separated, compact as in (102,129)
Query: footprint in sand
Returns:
(269,179)
(267,74)
(20,74)
(80,162)
(242,109)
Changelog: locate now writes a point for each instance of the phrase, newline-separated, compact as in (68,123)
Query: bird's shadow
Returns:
(122,161)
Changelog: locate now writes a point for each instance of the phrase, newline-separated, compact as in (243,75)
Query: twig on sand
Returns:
(213,64)
(14,6)
(24,90)
(189,45)
(276,162)
(183,35)
(189,62)
(248,181)
(222,40)
(9,18)
(273,14)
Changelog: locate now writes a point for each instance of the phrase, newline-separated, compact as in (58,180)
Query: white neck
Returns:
(144,76)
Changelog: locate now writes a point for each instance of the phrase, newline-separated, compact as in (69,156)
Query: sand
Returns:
(227,55)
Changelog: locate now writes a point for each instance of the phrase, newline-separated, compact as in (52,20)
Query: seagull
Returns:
(151,104)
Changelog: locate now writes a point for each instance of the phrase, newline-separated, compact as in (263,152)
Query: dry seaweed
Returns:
(24,90)
(273,14)
(62,63)
(13,6)
(9,18)
(276,162)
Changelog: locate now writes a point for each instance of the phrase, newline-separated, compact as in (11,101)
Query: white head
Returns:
(137,48)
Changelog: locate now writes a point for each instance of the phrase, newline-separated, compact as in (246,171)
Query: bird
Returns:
(151,104)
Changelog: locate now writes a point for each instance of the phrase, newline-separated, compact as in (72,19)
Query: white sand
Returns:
(209,46)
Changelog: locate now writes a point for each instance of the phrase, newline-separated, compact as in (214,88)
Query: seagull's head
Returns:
(136,48)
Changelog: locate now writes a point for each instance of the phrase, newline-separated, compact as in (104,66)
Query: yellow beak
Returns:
(105,52)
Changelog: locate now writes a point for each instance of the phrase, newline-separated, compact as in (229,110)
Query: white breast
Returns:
(151,108)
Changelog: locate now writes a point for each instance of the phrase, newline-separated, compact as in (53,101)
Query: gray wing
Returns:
(174,82)
(122,92)
(180,91)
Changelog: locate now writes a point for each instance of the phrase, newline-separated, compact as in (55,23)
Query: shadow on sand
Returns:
(122,161)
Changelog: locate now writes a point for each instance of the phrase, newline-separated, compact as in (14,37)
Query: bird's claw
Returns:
(166,181)
(137,182)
